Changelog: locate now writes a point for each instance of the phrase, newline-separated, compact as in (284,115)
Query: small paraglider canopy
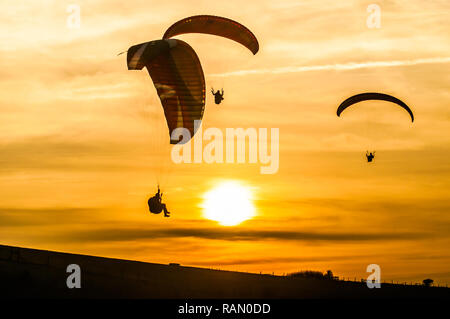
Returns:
(372,96)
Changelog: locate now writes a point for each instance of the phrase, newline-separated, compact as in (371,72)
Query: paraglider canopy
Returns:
(372,96)
(215,25)
(178,78)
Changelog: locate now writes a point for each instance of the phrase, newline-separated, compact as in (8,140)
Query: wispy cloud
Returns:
(19,217)
(130,234)
(271,259)
(336,67)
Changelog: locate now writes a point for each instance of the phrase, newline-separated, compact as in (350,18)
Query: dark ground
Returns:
(31,273)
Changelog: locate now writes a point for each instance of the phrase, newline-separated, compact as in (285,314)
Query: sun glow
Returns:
(230,203)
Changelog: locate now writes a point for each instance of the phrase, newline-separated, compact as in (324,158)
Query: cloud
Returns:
(131,234)
(274,259)
(370,206)
(425,214)
(19,217)
(337,67)
(67,152)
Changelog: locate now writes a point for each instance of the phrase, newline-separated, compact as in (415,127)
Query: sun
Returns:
(229,203)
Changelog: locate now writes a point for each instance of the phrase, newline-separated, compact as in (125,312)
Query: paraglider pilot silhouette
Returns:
(370,156)
(218,96)
(156,206)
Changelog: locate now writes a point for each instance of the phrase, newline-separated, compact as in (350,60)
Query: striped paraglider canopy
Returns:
(178,78)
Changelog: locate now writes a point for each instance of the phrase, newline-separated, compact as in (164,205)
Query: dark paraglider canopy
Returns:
(178,78)
(215,25)
(373,96)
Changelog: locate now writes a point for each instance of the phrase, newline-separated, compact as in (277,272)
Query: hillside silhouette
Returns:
(32,273)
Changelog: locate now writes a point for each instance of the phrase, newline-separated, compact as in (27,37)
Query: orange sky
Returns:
(77,136)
